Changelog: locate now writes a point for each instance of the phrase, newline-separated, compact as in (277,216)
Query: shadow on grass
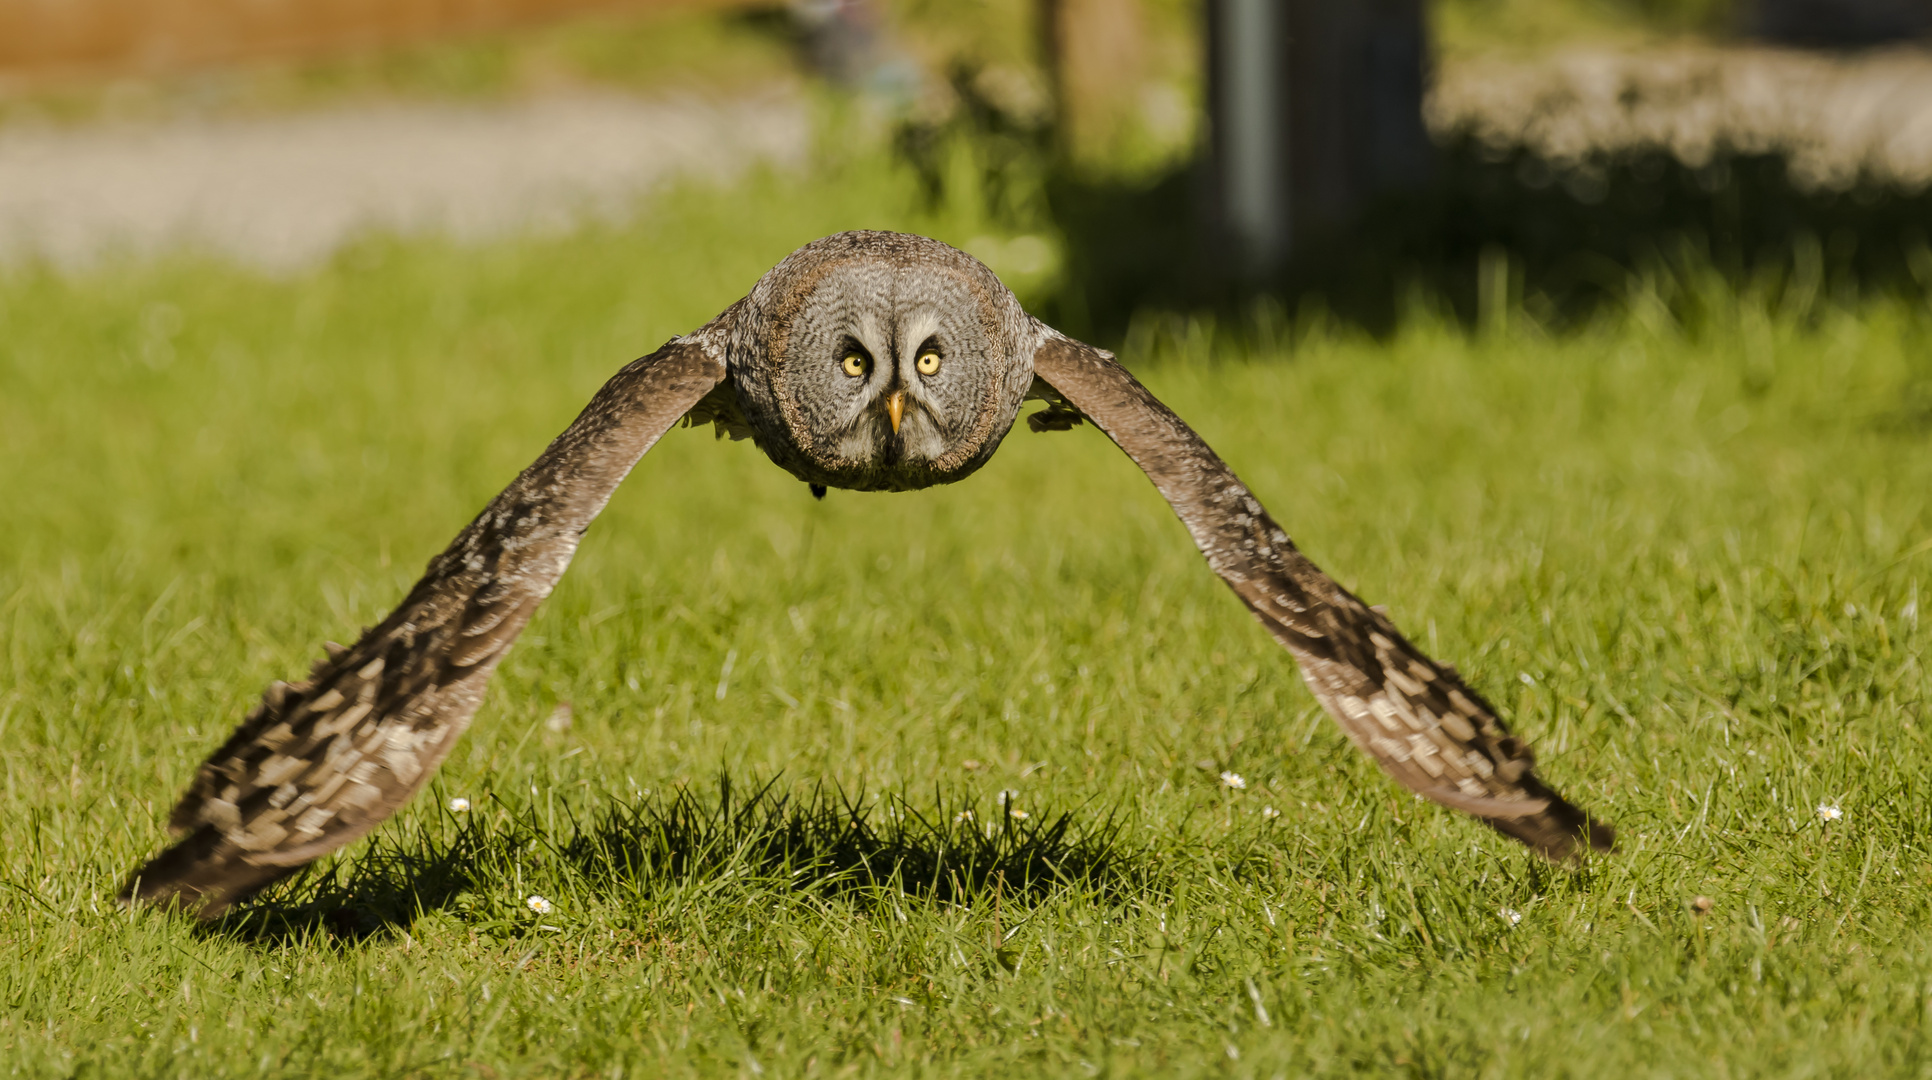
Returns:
(1500,231)
(1487,233)
(822,842)
(951,852)
(1494,233)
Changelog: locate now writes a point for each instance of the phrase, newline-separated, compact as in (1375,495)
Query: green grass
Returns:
(752,47)
(1688,567)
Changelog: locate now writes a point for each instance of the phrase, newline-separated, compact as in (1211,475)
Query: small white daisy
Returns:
(1270,812)
(459,805)
(538,904)
(1017,815)
(1511,916)
(1007,796)
(1233,780)
(1829,812)
(962,816)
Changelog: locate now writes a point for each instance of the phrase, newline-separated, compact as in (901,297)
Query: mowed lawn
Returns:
(1687,565)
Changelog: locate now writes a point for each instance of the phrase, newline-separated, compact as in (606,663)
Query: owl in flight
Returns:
(869,361)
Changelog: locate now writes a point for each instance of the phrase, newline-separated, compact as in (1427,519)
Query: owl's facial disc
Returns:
(885,369)
(896,413)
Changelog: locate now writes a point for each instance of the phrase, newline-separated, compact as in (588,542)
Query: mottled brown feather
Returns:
(322,762)
(1416,717)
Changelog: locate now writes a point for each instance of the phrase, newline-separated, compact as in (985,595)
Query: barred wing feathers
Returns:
(320,763)
(1416,717)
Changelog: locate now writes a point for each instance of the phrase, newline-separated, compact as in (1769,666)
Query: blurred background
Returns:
(1273,159)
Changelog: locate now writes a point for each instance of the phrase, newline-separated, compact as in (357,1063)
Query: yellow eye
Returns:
(854,365)
(928,363)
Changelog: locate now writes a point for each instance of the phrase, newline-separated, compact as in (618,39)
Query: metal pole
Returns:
(1252,133)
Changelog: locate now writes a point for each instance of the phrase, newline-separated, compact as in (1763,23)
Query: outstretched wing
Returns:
(1414,716)
(322,762)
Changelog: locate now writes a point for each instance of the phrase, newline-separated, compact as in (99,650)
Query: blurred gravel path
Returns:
(279,192)
(282,191)
(1839,118)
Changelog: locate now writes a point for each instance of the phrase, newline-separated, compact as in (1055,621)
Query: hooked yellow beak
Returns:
(896,408)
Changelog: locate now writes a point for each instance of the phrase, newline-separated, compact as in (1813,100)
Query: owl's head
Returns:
(881,362)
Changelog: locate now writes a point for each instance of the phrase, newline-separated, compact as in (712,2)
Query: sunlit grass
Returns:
(1688,567)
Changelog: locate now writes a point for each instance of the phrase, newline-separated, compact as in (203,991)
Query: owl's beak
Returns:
(896,408)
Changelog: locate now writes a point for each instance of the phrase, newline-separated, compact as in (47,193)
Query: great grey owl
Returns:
(868,361)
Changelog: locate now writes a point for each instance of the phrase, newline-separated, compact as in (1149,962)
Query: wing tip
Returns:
(1546,822)
(1563,834)
(203,876)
